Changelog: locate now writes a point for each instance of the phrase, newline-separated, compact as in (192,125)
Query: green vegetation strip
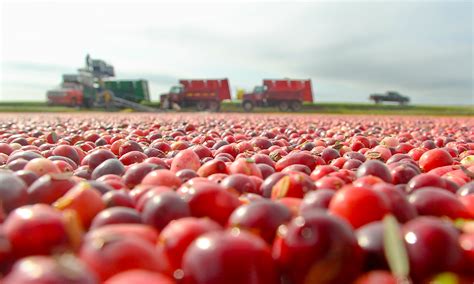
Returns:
(334,108)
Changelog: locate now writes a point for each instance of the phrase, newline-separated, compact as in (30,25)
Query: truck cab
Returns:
(390,96)
(67,94)
(167,100)
(176,90)
(394,95)
(257,95)
(260,89)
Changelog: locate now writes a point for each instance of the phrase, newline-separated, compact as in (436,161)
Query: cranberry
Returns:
(376,277)
(139,276)
(36,229)
(135,174)
(207,199)
(96,158)
(438,202)
(13,192)
(359,205)
(162,177)
(46,269)
(68,152)
(238,257)
(432,246)
(41,166)
(297,249)
(371,239)
(116,215)
(129,146)
(267,186)
(424,180)
(178,235)
(295,184)
(239,183)
(120,253)
(374,168)
(163,208)
(27,176)
(85,200)
(110,166)
(133,157)
(298,158)
(48,189)
(185,159)
(316,200)
(435,158)
(261,217)
(245,166)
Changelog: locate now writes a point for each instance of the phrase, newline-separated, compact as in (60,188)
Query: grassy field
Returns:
(360,108)
(25,106)
(335,108)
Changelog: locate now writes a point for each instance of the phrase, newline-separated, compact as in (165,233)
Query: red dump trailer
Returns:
(284,93)
(204,94)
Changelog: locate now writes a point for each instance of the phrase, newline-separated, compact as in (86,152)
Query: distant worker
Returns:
(240,94)
(107,95)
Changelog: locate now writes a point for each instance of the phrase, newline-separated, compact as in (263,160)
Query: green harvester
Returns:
(131,90)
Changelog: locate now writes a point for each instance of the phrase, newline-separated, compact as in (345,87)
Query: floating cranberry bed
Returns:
(230,198)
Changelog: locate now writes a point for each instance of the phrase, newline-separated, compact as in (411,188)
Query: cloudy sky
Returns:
(349,49)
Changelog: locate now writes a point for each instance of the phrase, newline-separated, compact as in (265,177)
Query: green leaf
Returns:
(394,247)
(459,223)
(445,278)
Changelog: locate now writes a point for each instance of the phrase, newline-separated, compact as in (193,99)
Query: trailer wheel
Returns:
(283,106)
(214,106)
(296,105)
(248,106)
(201,105)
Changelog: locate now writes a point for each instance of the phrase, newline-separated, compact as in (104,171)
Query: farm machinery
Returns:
(93,86)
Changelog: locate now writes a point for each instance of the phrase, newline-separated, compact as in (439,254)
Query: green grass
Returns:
(334,108)
(34,106)
(359,108)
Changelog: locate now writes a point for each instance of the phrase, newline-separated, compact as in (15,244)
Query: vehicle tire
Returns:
(201,105)
(283,106)
(377,102)
(214,106)
(247,106)
(296,105)
(87,102)
(74,102)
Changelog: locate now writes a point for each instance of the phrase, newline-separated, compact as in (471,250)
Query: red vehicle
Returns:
(203,94)
(66,95)
(286,94)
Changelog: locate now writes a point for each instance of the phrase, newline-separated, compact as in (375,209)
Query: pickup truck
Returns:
(389,96)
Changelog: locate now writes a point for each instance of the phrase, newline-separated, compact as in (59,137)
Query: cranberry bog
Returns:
(94,197)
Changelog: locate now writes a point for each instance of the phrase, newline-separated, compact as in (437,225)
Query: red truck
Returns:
(66,95)
(74,90)
(204,94)
(285,93)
